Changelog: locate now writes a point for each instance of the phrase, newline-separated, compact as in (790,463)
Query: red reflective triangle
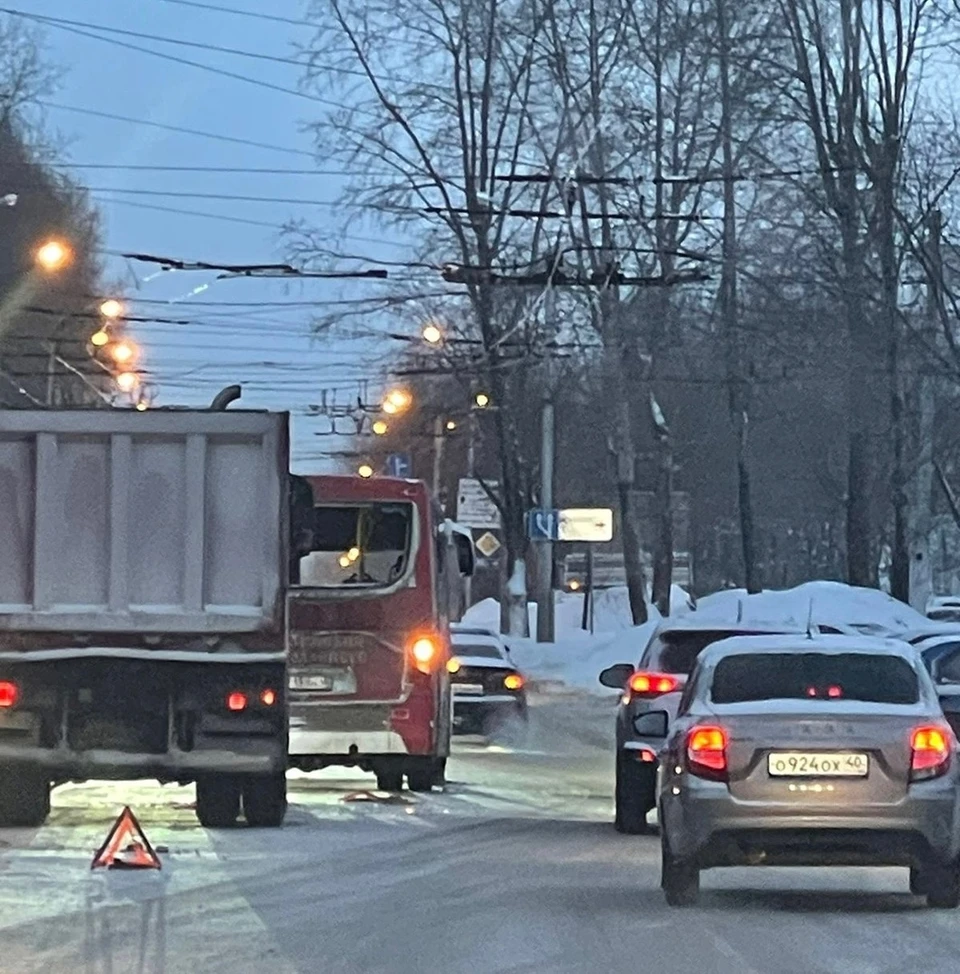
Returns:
(126,846)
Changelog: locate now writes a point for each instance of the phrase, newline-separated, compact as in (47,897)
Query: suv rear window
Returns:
(676,651)
(864,677)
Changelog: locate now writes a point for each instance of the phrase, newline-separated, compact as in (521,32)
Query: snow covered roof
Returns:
(697,622)
(832,645)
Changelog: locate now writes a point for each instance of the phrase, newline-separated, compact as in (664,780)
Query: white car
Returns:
(488,689)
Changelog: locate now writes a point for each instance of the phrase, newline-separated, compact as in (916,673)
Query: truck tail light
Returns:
(513,681)
(237,701)
(9,694)
(930,752)
(425,651)
(707,752)
(650,685)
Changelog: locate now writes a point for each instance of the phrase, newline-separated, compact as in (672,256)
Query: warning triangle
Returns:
(126,846)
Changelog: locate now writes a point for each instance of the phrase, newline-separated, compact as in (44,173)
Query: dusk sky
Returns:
(254,332)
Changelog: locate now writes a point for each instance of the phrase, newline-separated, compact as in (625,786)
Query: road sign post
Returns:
(399,465)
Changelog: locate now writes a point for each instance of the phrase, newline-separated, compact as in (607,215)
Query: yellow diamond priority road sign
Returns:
(487,544)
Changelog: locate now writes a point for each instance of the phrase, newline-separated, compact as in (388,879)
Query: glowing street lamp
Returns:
(451,425)
(127,381)
(142,407)
(482,400)
(99,338)
(432,334)
(111,309)
(123,353)
(53,255)
(379,428)
(397,401)
(365,471)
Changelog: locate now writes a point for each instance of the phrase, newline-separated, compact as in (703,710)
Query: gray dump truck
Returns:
(143,568)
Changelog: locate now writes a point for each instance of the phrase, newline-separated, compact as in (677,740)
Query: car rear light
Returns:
(9,694)
(707,752)
(513,681)
(237,701)
(425,652)
(652,684)
(930,752)
(268,697)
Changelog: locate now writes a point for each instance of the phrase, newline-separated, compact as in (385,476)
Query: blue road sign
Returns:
(542,524)
(399,465)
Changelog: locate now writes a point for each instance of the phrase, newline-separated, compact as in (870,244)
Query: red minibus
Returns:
(374,574)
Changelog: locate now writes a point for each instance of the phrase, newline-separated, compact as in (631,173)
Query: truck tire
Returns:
(389,780)
(440,773)
(218,801)
(635,794)
(265,800)
(24,796)
(422,775)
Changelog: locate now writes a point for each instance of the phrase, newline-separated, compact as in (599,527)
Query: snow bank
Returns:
(577,657)
(834,603)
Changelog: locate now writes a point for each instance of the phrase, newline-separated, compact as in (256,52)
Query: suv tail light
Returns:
(707,752)
(9,694)
(650,685)
(930,752)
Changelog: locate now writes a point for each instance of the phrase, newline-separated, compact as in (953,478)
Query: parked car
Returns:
(651,693)
(820,751)
(488,689)
(944,608)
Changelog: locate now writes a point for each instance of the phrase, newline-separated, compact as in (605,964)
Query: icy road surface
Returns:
(515,868)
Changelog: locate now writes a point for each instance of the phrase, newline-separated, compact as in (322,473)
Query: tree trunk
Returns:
(663,549)
(632,548)
(751,571)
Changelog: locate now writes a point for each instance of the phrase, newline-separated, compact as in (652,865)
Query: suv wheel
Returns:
(635,793)
(942,886)
(679,878)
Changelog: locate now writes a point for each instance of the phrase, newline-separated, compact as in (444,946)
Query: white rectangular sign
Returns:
(474,507)
(585,524)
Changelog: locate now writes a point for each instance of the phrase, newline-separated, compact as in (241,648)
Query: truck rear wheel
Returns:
(218,801)
(265,800)
(24,796)
(422,774)
(389,780)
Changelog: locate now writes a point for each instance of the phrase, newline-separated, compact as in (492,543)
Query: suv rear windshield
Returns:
(864,677)
(676,651)
(357,545)
(477,649)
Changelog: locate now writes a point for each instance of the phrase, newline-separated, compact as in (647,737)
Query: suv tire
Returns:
(635,793)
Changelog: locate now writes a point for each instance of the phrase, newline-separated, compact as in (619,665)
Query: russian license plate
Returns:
(817,764)
(468,689)
(304,681)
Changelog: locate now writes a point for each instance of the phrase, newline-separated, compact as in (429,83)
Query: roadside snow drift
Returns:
(575,660)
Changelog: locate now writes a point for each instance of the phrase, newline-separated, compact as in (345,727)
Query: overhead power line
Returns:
(275,18)
(218,137)
(60,24)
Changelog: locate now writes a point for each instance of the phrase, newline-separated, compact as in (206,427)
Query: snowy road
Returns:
(515,868)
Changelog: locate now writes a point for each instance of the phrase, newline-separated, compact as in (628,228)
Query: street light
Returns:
(365,471)
(123,353)
(127,381)
(451,425)
(142,407)
(432,334)
(53,255)
(111,309)
(482,400)
(397,401)
(380,428)
(99,338)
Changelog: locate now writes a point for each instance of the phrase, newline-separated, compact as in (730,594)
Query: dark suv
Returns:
(651,693)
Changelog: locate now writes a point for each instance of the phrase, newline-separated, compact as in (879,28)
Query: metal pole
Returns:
(545,601)
(590,587)
(471,473)
(51,372)
(437,453)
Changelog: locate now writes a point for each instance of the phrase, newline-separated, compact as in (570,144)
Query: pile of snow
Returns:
(833,603)
(577,657)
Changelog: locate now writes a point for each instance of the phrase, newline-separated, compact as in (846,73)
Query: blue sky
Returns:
(233,335)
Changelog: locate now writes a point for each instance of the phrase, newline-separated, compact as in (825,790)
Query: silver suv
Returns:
(830,750)
(651,693)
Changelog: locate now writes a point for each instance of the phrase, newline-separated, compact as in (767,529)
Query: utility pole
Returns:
(545,600)
(437,453)
(921,564)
